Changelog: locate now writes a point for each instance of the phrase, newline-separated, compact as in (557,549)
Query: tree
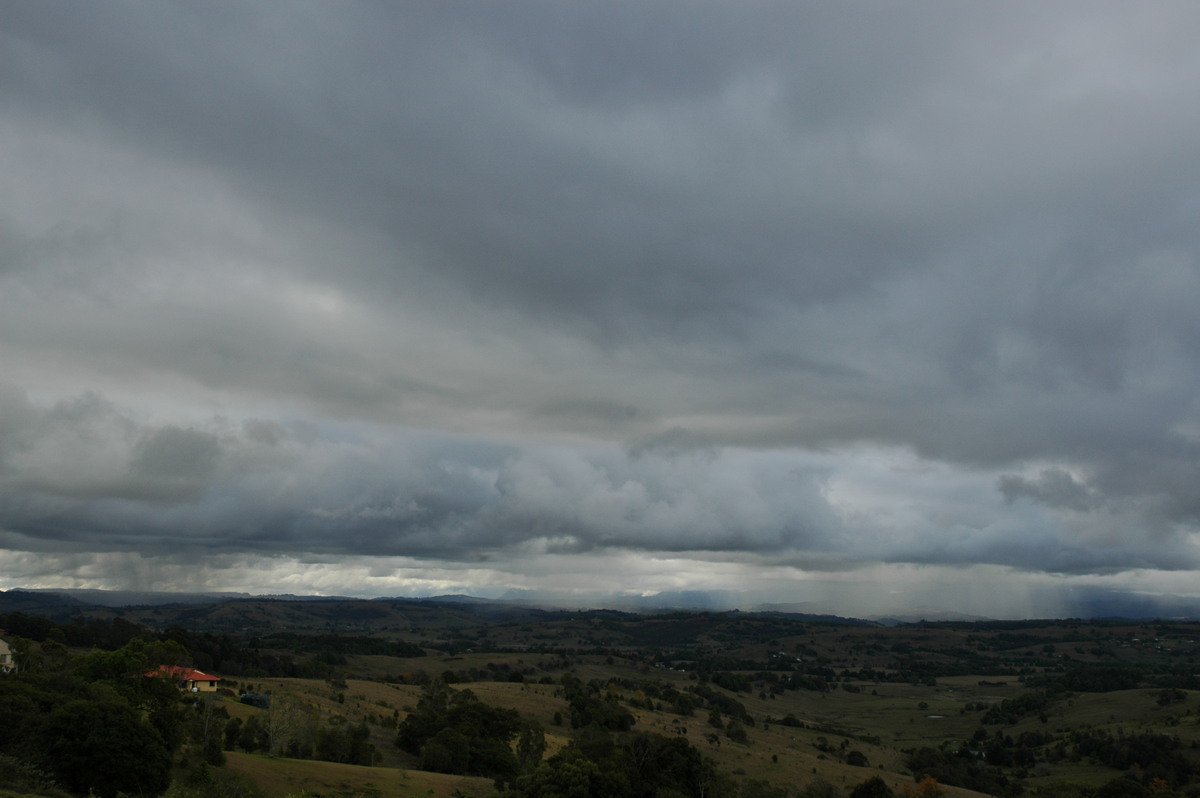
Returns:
(290,725)
(858,759)
(208,723)
(233,729)
(103,747)
(448,751)
(486,730)
(927,788)
(569,776)
(874,787)
(253,735)
(531,745)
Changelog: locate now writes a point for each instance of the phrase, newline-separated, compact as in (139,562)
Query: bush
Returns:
(874,787)
(24,777)
(105,748)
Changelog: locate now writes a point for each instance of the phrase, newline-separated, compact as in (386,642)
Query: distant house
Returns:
(188,678)
(7,664)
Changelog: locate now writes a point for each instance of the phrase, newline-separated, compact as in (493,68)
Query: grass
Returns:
(278,777)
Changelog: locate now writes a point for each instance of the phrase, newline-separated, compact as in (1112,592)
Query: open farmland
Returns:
(378,697)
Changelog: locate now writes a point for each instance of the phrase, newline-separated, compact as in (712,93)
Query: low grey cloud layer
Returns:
(366,297)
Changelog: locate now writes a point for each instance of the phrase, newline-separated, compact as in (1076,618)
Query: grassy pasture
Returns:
(279,777)
(901,716)
(1128,709)
(358,701)
(879,719)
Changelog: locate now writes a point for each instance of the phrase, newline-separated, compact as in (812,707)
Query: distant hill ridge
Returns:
(67,603)
(242,609)
(132,598)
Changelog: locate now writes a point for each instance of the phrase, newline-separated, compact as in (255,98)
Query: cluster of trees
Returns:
(81,632)
(293,729)
(93,723)
(1012,710)
(647,694)
(655,694)
(452,731)
(96,723)
(1149,759)
(341,645)
(1151,756)
(962,768)
(1120,787)
(1101,679)
(592,705)
(1094,679)
(281,654)
(600,764)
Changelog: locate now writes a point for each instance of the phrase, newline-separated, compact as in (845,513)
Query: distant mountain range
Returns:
(133,598)
(1093,604)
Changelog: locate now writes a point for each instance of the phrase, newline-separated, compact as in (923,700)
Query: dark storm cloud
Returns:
(176,461)
(265,487)
(648,279)
(1054,486)
(626,166)
(270,489)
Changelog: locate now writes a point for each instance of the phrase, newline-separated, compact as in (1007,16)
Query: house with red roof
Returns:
(188,678)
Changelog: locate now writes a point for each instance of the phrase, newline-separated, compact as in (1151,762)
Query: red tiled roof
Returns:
(180,673)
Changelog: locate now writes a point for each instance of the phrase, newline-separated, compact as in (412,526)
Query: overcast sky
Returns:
(861,305)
